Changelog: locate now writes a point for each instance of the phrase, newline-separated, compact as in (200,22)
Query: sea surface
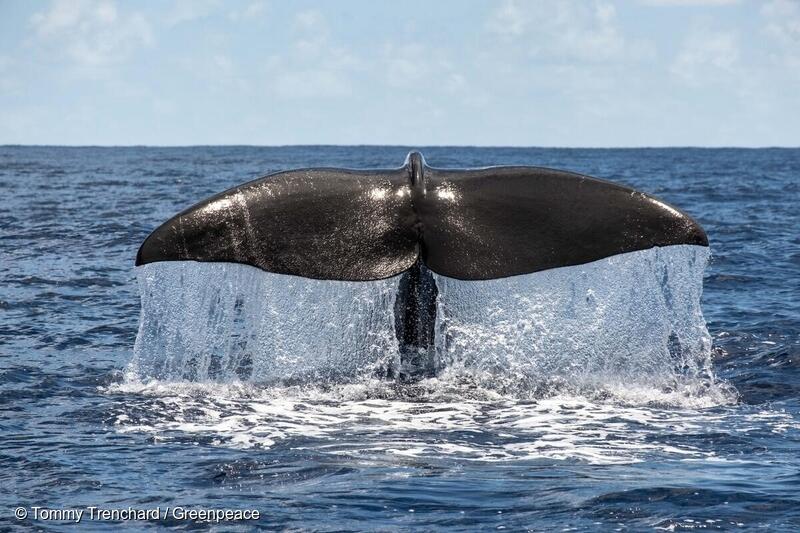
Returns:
(581,421)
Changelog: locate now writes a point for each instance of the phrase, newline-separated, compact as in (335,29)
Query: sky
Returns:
(451,72)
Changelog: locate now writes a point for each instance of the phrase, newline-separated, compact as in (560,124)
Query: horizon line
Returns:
(407,146)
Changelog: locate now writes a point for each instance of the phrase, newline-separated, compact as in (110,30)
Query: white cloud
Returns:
(782,24)
(568,30)
(508,20)
(251,11)
(783,20)
(707,56)
(189,10)
(311,20)
(410,66)
(689,2)
(91,32)
(405,64)
(315,66)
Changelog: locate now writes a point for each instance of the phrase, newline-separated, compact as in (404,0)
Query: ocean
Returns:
(588,437)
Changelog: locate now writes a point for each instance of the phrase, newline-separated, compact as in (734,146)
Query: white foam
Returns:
(368,423)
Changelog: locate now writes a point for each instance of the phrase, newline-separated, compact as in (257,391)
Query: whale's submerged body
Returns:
(419,224)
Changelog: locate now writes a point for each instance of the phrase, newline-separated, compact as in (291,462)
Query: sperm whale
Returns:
(415,220)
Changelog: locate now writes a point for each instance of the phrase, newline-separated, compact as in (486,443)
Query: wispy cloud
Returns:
(509,20)
(314,66)
(569,30)
(782,24)
(706,56)
(672,3)
(252,11)
(91,32)
(190,10)
(569,72)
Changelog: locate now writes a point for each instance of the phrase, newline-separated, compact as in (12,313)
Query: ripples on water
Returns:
(600,405)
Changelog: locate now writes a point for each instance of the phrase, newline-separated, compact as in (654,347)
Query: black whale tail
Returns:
(415,322)
(473,224)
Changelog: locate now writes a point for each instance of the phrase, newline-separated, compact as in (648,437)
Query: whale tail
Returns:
(468,224)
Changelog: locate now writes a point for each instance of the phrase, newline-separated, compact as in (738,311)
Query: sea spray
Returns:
(628,321)
(584,362)
(628,326)
(223,322)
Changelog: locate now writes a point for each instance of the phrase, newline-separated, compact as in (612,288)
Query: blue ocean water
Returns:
(75,432)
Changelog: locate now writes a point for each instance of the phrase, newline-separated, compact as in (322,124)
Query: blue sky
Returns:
(543,73)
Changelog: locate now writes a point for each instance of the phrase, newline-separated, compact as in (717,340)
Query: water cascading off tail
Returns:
(517,279)
(629,321)
(223,322)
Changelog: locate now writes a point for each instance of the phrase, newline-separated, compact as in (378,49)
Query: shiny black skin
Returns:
(476,224)
(360,225)
(415,312)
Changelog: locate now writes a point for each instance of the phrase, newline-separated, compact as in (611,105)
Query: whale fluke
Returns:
(477,224)
(364,225)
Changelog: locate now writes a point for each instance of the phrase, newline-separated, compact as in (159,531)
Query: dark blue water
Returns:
(74,434)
